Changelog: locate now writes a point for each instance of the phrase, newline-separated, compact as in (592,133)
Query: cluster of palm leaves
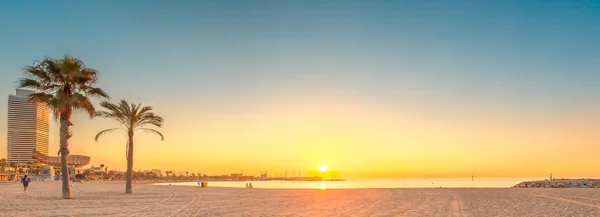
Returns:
(68,85)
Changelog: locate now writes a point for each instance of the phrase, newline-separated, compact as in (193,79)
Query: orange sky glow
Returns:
(352,138)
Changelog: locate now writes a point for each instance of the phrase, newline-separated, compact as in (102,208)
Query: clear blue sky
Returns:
(467,49)
(440,58)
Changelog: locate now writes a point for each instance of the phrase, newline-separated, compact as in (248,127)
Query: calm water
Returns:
(374,183)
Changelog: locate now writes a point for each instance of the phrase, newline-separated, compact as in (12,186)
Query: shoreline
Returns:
(360,183)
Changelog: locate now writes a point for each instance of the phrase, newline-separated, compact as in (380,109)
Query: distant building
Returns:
(95,169)
(28,127)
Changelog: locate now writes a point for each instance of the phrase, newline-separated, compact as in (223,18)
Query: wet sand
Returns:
(108,199)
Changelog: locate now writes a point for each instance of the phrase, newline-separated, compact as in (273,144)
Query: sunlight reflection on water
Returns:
(372,183)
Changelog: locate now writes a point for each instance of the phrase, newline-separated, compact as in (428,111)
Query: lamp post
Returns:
(102,172)
(18,164)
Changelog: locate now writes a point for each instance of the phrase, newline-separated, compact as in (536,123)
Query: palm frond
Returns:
(40,98)
(124,106)
(97,92)
(57,108)
(86,76)
(150,119)
(52,67)
(153,131)
(83,103)
(142,111)
(55,104)
(37,73)
(28,82)
(135,112)
(114,116)
(105,132)
(115,112)
(47,70)
(111,107)
(104,114)
(127,112)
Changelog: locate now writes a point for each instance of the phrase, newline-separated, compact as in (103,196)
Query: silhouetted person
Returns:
(25,180)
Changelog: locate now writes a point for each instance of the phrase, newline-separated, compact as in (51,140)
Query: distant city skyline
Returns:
(368,88)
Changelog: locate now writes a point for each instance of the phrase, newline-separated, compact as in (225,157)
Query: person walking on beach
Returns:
(25,180)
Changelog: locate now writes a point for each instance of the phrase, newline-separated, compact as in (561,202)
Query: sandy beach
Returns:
(108,199)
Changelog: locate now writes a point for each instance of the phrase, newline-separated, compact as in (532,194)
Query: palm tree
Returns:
(65,85)
(3,163)
(15,165)
(131,117)
(29,166)
(102,172)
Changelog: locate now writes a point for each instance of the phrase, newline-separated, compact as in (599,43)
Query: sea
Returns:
(371,183)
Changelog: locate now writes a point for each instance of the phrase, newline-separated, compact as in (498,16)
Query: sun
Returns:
(323,168)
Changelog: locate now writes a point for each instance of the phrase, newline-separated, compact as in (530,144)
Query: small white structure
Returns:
(47,172)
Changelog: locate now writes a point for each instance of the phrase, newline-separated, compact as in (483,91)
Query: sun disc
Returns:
(323,168)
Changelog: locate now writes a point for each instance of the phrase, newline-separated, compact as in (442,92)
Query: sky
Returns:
(369,88)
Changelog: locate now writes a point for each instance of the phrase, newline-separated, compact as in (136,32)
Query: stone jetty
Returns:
(560,183)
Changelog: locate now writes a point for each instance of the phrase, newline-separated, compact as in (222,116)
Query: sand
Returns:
(108,199)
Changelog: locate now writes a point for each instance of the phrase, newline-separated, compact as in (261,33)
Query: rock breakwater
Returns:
(560,183)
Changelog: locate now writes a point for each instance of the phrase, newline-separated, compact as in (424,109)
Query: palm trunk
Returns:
(64,151)
(129,174)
